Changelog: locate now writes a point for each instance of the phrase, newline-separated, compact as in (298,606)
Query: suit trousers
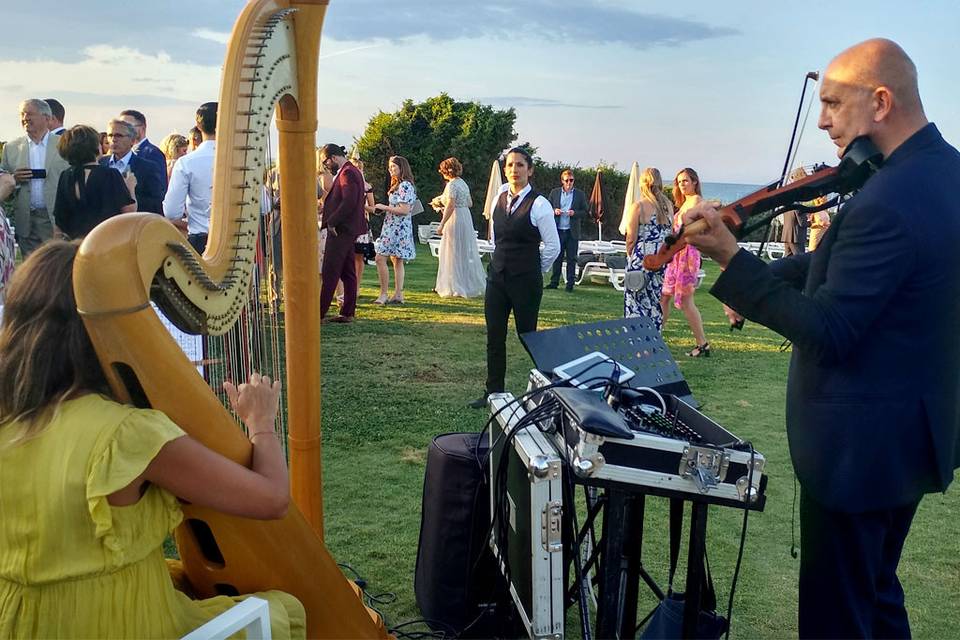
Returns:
(520,294)
(39,231)
(568,252)
(848,572)
(338,264)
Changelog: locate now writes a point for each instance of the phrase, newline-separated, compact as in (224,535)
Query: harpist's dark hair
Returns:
(46,355)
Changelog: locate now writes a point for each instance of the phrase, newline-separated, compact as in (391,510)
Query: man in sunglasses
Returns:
(569,207)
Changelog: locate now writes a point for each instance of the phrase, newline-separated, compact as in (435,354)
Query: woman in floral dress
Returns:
(396,236)
(680,280)
(645,226)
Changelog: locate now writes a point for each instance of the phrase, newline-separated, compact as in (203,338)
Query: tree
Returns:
(430,131)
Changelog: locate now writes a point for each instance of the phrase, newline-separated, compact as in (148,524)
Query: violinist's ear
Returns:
(882,103)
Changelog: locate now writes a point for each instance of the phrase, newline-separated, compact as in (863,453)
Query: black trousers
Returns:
(848,572)
(520,294)
(568,252)
(198,241)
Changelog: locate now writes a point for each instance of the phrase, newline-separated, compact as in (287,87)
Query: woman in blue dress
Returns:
(396,236)
(645,226)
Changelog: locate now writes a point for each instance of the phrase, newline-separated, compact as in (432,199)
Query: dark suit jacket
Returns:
(579,207)
(150,183)
(149,151)
(343,206)
(873,394)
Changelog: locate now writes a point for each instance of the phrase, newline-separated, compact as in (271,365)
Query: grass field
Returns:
(401,375)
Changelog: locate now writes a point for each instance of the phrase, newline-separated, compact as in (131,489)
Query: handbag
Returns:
(665,622)
(416,207)
(634,280)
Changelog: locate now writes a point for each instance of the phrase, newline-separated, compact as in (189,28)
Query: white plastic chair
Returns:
(775,250)
(594,270)
(434,247)
(252,615)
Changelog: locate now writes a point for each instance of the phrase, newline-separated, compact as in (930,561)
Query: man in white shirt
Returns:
(522,220)
(191,183)
(36,165)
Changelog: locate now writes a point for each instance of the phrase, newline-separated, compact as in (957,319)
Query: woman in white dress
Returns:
(460,272)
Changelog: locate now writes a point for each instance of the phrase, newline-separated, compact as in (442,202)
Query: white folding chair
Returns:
(252,615)
(434,247)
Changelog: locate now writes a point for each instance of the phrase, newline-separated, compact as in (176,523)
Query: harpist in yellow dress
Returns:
(72,565)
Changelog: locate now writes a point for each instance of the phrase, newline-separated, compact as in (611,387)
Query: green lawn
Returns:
(401,375)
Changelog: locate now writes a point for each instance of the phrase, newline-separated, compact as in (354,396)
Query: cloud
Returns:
(334,54)
(221,37)
(575,22)
(525,101)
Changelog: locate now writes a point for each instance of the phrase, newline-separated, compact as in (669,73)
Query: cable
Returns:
(743,538)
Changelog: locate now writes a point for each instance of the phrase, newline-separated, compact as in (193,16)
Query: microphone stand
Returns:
(811,75)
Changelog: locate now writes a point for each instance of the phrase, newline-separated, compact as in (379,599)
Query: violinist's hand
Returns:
(715,240)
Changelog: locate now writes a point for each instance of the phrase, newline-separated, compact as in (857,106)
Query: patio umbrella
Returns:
(598,202)
(633,195)
(493,190)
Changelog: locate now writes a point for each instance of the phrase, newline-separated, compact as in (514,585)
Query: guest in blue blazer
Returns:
(151,177)
(873,413)
(142,147)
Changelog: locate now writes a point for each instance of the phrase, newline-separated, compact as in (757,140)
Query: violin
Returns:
(860,160)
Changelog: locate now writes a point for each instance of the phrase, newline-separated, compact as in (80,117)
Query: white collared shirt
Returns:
(121,164)
(541,216)
(191,185)
(38,160)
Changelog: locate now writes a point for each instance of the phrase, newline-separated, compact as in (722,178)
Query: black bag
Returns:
(457,585)
(665,622)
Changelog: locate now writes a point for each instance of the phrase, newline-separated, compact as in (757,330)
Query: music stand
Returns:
(634,342)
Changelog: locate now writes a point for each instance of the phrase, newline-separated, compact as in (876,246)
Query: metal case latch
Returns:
(705,466)
(551,521)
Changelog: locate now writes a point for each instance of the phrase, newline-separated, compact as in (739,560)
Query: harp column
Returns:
(297,126)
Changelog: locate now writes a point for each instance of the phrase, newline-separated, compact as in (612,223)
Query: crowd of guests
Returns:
(59,182)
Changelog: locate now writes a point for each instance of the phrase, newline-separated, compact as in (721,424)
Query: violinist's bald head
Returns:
(871,89)
(878,62)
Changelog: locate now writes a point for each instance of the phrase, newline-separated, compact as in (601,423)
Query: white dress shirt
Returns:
(38,160)
(191,185)
(541,216)
(121,164)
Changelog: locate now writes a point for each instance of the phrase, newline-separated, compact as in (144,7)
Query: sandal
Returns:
(737,325)
(701,350)
(381,300)
(394,301)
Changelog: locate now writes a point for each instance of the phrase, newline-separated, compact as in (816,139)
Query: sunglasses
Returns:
(568,179)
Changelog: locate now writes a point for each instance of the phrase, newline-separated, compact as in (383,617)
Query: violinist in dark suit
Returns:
(873,414)
(569,208)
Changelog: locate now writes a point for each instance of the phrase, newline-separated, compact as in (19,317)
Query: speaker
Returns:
(457,586)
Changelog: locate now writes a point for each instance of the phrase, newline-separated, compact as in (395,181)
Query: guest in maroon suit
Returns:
(344,220)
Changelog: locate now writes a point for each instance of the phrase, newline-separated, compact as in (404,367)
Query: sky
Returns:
(710,85)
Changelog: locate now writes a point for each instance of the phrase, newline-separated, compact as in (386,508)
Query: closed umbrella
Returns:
(493,190)
(632,196)
(598,202)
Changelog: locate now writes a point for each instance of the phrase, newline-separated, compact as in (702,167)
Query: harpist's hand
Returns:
(256,402)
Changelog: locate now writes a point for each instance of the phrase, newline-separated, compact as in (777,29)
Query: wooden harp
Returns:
(271,67)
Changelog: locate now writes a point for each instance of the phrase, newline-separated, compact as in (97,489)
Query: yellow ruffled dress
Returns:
(71,565)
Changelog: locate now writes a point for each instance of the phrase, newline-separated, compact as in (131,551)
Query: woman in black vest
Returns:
(522,220)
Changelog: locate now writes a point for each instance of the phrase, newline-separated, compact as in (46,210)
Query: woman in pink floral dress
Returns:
(680,280)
